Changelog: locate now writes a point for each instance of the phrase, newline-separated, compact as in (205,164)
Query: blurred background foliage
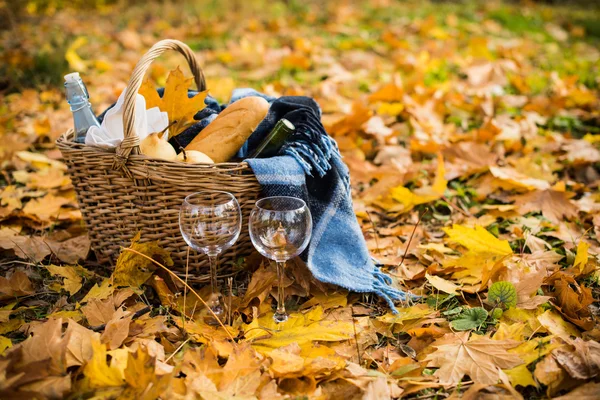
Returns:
(36,50)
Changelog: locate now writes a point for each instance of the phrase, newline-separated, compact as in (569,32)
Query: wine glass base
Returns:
(217,310)
(280,317)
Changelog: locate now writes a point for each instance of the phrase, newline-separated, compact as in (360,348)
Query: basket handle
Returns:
(131,140)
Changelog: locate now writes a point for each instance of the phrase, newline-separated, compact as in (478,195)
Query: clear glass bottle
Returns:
(78,98)
(270,146)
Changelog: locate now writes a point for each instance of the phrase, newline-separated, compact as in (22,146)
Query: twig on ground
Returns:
(374,231)
(177,349)
(356,337)
(457,208)
(187,265)
(413,234)
(137,314)
(229,300)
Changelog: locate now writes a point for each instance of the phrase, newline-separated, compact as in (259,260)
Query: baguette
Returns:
(223,137)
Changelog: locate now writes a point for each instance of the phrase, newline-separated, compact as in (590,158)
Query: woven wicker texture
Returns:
(124,192)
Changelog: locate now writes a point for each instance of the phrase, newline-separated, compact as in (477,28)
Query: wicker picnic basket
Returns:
(124,192)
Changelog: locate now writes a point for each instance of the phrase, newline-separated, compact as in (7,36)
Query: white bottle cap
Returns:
(72,77)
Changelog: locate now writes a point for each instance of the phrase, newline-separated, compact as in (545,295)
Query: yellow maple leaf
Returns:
(556,325)
(520,376)
(581,258)
(286,361)
(327,300)
(529,352)
(175,101)
(266,335)
(99,373)
(512,331)
(406,319)
(139,372)
(425,194)
(75,315)
(50,208)
(442,284)
(11,325)
(242,364)
(407,313)
(485,253)
(132,269)
(473,268)
(534,349)
(101,292)
(5,343)
(118,359)
(528,317)
(478,240)
(202,332)
(73,276)
(238,379)
(293,361)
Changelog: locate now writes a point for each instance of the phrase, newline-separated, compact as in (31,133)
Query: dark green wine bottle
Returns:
(270,146)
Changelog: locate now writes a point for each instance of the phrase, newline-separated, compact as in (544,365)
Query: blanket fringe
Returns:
(383,289)
(314,149)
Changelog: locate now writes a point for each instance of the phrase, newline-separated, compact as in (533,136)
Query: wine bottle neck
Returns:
(78,99)
(77,95)
(274,140)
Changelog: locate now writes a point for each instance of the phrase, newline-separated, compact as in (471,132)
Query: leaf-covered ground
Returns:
(472,135)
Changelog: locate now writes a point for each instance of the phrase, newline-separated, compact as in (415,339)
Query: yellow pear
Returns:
(194,157)
(156,147)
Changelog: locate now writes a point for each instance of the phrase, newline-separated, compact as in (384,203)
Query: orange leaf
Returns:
(175,101)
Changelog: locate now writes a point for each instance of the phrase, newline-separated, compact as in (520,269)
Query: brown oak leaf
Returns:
(18,284)
(583,362)
(554,205)
(572,299)
(480,358)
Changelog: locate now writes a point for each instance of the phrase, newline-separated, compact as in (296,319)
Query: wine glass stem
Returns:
(280,293)
(213,260)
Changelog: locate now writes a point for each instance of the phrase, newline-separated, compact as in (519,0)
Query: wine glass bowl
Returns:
(210,222)
(280,228)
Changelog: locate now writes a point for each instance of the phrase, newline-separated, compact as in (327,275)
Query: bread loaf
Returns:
(223,137)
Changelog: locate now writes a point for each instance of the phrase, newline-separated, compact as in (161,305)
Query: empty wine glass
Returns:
(280,228)
(210,222)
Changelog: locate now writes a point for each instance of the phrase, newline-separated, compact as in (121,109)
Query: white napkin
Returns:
(110,133)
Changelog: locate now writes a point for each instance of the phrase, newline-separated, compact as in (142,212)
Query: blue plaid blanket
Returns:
(310,167)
